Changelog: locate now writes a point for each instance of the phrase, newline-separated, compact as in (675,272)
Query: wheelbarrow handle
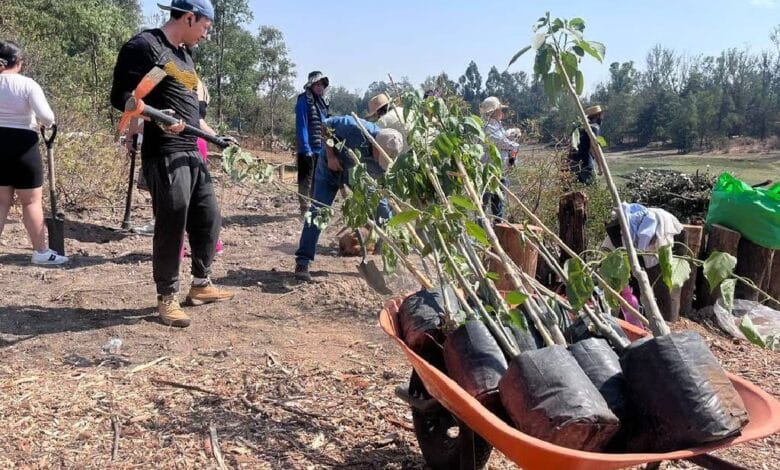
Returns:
(49,141)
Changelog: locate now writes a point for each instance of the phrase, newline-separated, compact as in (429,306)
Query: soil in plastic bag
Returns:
(527,339)
(420,319)
(602,366)
(679,394)
(548,396)
(476,362)
(580,329)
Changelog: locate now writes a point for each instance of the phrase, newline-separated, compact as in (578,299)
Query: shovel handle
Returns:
(49,141)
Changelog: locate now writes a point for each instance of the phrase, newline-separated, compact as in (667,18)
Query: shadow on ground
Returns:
(27,321)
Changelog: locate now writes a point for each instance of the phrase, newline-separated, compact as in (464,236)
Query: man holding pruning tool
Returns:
(155,71)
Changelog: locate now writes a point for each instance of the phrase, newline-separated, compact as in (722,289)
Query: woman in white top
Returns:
(492,111)
(23,107)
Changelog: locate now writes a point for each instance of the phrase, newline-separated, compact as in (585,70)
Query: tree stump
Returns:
(754,263)
(572,216)
(774,281)
(523,254)
(720,239)
(693,239)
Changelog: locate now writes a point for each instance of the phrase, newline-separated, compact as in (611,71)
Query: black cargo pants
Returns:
(182,200)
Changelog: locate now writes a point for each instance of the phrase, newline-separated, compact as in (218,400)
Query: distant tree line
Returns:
(690,102)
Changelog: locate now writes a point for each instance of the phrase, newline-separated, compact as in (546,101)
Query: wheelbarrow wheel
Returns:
(441,436)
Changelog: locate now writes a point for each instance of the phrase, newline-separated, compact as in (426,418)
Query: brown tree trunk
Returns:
(755,263)
(720,239)
(693,239)
(524,255)
(572,216)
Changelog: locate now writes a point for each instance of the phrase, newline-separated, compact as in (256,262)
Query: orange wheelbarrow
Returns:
(455,431)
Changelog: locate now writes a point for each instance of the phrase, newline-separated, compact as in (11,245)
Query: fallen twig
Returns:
(117,430)
(183,386)
(147,365)
(215,448)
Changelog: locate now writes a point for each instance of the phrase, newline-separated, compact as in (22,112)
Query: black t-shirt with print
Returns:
(177,91)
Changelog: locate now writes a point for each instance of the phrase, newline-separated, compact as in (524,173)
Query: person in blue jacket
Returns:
(310,111)
(332,172)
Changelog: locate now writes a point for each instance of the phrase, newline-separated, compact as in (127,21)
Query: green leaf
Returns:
(579,286)
(577,24)
(492,276)
(403,218)
(616,270)
(601,141)
(748,329)
(727,288)
(578,50)
(475,231)
(517,319)
(515,298)
(717,267)
(579,84)
(517,55)
(569,61)
(463,202)
(593,49)
(674,271)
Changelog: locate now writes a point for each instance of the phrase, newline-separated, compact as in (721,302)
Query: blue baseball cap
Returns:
(199,7)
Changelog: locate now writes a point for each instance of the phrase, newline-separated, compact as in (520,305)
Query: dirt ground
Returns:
(287,375)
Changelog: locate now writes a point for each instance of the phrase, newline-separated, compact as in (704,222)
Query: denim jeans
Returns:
(326,185)
(493,203)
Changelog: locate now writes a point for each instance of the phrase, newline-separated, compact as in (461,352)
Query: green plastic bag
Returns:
(753,212)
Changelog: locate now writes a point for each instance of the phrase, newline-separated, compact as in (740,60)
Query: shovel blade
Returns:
(374,277)
(56,228)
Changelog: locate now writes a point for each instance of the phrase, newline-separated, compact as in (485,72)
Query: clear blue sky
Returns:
(356,43)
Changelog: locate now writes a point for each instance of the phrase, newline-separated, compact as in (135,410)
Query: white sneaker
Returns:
(48,257)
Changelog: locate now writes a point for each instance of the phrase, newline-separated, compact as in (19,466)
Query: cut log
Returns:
(693,239)
(755,263)
(523,254)
(572,216)
(720,239)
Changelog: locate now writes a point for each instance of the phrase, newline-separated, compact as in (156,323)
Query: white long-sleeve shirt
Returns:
(22,103)
(496,134)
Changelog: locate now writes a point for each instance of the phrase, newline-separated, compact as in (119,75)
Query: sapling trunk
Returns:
(603,283)
(657,324)
(495,329)
(509,265)
(424,281)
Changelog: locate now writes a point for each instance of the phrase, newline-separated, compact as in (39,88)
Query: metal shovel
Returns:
(370,271)
(55,224)
(126,222)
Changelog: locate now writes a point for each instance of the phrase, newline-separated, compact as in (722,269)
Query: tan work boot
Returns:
(206,294)
(170,311)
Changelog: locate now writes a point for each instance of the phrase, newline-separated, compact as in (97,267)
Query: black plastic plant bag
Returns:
(548,396)
(527,339)
(602,366)
(680,395)
(420,319)
(476,362)
(580,329)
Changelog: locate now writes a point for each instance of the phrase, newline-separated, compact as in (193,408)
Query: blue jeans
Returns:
(494,203)
(326,185)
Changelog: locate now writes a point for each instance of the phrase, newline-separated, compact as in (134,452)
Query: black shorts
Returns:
(20,159)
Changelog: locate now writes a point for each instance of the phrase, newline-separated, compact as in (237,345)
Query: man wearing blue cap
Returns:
(183,197)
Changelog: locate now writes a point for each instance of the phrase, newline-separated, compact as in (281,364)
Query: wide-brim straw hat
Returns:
(315,77)
(376,103)
(490,104)
(596,109)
